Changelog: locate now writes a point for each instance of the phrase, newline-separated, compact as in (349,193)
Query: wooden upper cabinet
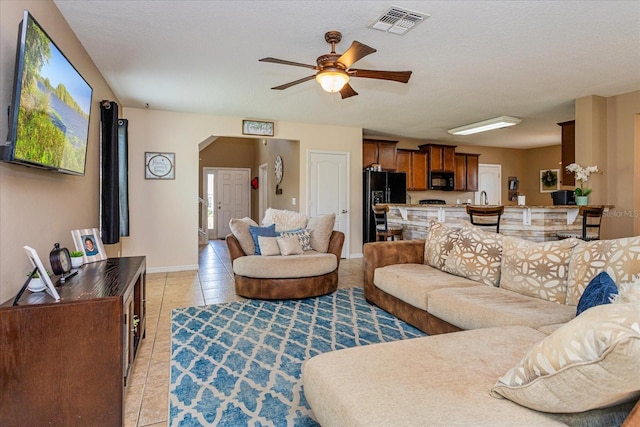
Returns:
(403,164)
(466,172)
(568,151)
(419,170)
(379,151)
(441,157)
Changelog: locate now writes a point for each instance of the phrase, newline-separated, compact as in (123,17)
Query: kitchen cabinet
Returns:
(568,151)
(441,157)
(379,151)
(414,164)
(466,172)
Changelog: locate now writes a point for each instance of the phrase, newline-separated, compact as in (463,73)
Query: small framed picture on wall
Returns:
(88,241)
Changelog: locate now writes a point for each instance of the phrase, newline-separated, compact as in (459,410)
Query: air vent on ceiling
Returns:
(398,21)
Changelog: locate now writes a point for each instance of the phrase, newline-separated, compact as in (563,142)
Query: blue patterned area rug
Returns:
(239,363)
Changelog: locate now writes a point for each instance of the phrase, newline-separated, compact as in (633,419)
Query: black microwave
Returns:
(442,181)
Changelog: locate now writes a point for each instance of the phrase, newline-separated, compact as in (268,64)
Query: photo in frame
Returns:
(549,180)
(42,272)
(256,127)
(89,242)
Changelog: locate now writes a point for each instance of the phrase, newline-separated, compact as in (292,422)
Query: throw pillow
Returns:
(597,292)
(439,244)
(537,270)
(321,228)
(289,245)
(620,258)
(303,235)
(284,219)
(627,292)
(476,255)
(240,230)
(269,231)
(588,363)
(268,246)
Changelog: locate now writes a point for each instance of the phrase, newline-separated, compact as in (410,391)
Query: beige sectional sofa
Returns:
(519,356)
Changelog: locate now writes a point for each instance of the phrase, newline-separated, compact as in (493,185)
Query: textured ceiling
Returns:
(471,60)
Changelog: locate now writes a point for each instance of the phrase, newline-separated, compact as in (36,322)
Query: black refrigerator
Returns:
(380,187)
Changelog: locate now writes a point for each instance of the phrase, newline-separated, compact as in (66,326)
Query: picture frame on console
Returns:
(88,241)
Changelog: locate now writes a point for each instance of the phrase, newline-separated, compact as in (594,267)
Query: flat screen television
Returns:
(51,106)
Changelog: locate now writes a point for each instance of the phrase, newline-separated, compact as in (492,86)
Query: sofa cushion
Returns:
(439,244)
(438,380)
(536,269)
(311,263)
(256,231)
(321,228)
(484,307)
(476,255)
(620,258)
(268,246)
(289,245)
(600,349)
(240,229)
(302,234)
(412,282)
(599,291)
(284,219)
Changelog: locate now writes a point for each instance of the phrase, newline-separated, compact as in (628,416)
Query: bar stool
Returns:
(591,220)
(383,229)
(485,214)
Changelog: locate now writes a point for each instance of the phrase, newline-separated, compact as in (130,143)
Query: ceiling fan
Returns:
(334,69)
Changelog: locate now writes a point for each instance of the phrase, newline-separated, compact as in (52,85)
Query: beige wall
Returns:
(39,208)
(164,213)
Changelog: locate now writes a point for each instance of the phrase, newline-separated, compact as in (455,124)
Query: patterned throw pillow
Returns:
(599,291)
(269,231)
(591,362)
(620,258)
(303,235)
(537,270)
(476,255)
(439,244)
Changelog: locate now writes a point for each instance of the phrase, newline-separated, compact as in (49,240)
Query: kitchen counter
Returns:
(537,223)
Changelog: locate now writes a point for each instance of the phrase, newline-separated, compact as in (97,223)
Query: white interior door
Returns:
(263,186)
(489,180)
(329,189)
(232,198)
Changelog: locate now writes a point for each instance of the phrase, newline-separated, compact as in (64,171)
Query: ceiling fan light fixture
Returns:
(485,125)
(332,80)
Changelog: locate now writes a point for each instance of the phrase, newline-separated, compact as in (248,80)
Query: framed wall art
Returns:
(256,127)
(88,241)
(549,180)
(159,165)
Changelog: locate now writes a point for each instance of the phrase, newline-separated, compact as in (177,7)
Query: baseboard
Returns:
(171,269)
(355,256)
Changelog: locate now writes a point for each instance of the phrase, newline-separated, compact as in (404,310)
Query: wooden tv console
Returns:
(66,363)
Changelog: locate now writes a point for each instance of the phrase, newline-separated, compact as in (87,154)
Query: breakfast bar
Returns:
(537,223)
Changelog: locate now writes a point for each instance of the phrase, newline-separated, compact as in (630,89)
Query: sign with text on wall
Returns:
(159,165)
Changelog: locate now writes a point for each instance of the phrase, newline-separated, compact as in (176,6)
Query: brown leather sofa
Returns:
(290,287)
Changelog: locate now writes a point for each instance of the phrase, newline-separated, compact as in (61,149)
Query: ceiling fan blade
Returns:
(282,61)
(396,76)
(286,85)
(355,52)
(347,91)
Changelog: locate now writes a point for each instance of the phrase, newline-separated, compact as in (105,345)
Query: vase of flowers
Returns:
(582,174)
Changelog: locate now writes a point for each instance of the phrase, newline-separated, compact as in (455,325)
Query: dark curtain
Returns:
(123,175)
(110,194)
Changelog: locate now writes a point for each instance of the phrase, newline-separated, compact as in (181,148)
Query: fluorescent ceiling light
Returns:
(485,125)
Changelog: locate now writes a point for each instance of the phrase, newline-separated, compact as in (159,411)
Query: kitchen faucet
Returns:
(483,196)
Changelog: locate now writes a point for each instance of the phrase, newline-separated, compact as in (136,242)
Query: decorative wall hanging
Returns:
(549,180)
(159,165)
(255,127)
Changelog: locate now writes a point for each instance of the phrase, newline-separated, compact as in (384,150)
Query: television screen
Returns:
(49,123)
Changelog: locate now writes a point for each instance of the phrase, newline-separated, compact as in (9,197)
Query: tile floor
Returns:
(147,393)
